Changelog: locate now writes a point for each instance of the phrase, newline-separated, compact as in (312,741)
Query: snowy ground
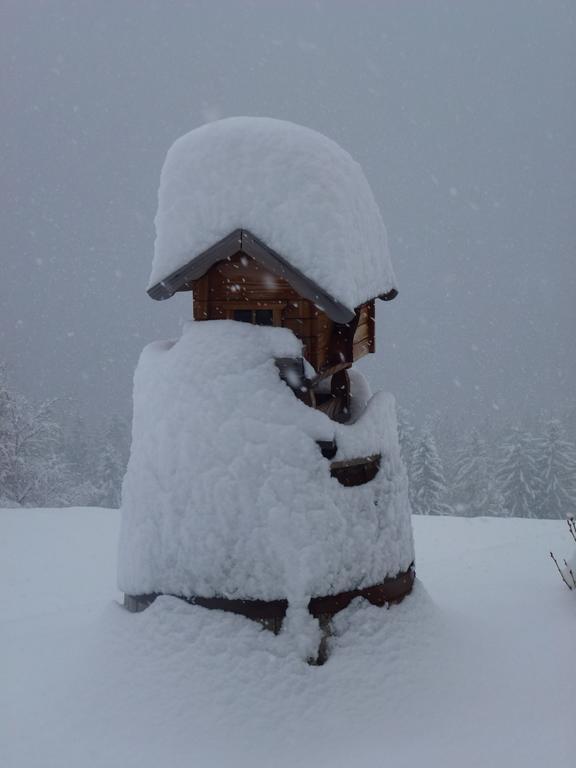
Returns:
(474,669)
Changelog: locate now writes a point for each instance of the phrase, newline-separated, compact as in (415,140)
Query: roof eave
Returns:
(245,241)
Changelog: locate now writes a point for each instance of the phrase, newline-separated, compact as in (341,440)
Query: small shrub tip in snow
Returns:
(568,572)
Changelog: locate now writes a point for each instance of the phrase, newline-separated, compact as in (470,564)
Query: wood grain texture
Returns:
(240,282)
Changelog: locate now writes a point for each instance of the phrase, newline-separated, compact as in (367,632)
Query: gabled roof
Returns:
(240,240)
(292,188)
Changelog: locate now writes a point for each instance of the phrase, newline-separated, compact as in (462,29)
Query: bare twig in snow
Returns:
(561,572)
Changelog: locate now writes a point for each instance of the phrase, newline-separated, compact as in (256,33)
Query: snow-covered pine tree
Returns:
(568,420)
(5,498)
(34,470)
(118,432)
(517,474)
(109,472)
(111,457)
(30,474)
(448,432)
(556,473)
(406,436)
(475,491)
(427,476)
(76,445)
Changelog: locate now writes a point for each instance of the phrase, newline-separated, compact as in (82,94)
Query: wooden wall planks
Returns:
(240,282)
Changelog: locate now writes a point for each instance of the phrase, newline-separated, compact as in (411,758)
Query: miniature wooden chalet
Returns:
(241,278)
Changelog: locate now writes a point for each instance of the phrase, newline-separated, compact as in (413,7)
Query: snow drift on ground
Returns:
(474,669)
(227,492)
(292,187)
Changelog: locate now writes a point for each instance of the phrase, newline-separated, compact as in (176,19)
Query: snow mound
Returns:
(226,491)
(292,187)
(473,670)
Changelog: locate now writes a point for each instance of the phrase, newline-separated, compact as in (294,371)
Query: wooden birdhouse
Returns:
(237,497)
(241,278)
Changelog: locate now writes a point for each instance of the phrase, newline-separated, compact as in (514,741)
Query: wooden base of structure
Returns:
(271,613)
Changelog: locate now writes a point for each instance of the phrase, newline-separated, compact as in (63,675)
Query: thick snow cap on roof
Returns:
(291,187)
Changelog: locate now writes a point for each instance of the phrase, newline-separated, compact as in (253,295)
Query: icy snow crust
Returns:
(226,491)
(292,187)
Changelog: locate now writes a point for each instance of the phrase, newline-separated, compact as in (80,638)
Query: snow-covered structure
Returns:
(292,188)
(264,475)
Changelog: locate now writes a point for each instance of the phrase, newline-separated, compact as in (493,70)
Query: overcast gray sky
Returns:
(463,115)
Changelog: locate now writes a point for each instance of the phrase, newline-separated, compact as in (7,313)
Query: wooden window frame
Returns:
(229,308)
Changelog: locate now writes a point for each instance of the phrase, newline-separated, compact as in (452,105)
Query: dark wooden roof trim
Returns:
(197,266)
(245,241)
(307,288)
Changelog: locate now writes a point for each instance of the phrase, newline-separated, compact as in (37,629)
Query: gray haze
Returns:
(462,114)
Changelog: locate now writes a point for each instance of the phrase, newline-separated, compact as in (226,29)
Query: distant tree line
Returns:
(511,470)
(50,458)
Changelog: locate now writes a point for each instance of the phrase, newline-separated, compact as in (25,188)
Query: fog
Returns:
(462,114)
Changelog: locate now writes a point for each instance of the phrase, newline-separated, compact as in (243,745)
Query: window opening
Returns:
(263,317)
(254,316)
(243,315)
